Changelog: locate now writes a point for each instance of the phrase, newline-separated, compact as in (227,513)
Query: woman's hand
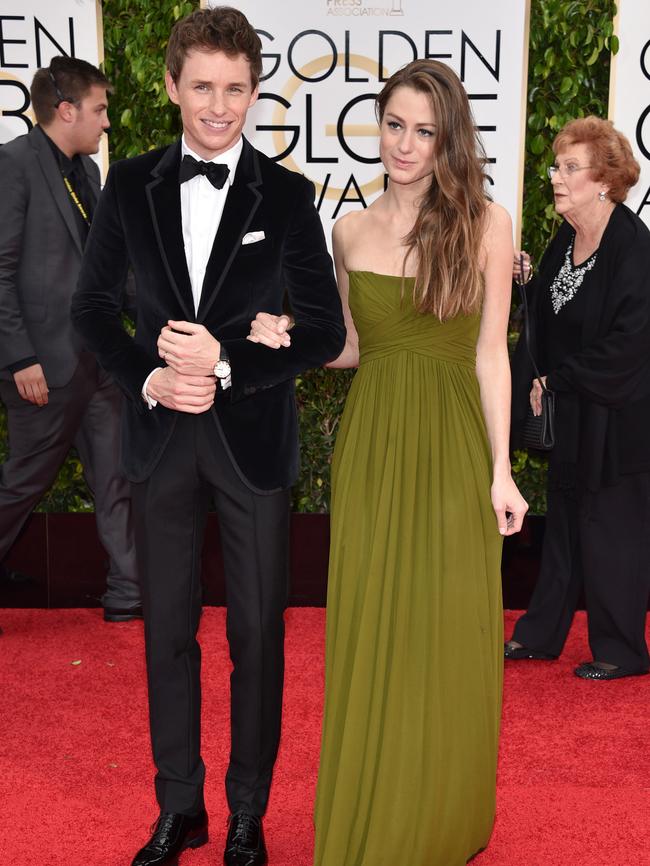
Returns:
(509,505)
(270,330)
(517,275)
(536,396)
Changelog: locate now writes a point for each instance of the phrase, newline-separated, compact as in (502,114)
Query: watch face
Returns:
(222,369)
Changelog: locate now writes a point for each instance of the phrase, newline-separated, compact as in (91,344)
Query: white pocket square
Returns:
(252,238)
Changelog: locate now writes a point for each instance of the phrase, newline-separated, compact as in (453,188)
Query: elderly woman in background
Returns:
(590,323)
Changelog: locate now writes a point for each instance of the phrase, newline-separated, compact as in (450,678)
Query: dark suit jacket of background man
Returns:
(139,221)
(42,242)
(40,259)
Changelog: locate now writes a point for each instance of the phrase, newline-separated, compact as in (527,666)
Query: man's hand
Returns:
(188,348)
(270,330)
(31,384)
(193,394)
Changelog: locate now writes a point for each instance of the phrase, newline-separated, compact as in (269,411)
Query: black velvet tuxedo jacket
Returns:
(603,386)
(138,224)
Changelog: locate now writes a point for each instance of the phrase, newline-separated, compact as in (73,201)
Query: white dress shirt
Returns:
(201,210)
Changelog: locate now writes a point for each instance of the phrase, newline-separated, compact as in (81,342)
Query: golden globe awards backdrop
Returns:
(31,33)
(629,95)
(324,61)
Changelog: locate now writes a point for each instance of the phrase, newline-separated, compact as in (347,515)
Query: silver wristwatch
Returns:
(222,368)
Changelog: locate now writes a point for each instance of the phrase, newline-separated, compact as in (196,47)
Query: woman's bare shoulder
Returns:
(348,232)
(497,220)
(497,235)
(349,224)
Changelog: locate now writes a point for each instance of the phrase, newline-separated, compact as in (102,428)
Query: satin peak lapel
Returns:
(163,194)
(242,203)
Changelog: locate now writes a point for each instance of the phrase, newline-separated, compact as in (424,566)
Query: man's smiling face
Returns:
(214,92)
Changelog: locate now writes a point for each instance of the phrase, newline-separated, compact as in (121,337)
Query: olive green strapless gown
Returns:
(414,656)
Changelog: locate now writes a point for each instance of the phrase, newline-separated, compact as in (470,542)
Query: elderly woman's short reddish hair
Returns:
(611,156)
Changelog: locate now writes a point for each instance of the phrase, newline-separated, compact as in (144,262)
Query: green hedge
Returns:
(568,76)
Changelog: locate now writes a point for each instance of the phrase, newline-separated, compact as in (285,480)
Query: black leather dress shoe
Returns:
(122,614)
(173,834)
(593,671)
(245,843)
(517,653)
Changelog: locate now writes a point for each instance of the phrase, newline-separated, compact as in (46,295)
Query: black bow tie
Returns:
(216,172)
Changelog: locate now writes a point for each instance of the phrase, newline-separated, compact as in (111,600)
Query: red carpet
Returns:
(75,771)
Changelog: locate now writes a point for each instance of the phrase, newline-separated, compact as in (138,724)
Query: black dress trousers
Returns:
(84,413)
(170,516)
(599,540)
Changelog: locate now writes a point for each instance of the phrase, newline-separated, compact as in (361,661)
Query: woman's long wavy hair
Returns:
(448,231)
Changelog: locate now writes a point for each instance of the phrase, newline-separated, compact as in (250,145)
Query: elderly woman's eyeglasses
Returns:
(564,170)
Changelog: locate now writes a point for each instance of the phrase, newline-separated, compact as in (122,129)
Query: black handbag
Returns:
(538,431)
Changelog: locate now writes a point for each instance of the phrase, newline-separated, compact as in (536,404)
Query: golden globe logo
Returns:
(642,135)
(318,97)
(286,136)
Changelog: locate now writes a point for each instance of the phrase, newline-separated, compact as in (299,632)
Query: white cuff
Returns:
(151,403)
(226,382)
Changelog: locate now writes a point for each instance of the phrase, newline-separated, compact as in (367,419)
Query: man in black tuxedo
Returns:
(214,232)
(55,393)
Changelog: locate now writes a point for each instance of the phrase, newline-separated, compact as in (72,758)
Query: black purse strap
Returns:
(524,301)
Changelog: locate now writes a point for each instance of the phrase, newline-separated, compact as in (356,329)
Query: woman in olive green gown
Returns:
(422,495)
(414,623)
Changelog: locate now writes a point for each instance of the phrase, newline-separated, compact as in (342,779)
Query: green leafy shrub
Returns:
(320,395)
(529,468)
(568,77)
(135,41)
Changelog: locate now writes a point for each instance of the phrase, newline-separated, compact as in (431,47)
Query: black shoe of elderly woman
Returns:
(517,652)
(603,671)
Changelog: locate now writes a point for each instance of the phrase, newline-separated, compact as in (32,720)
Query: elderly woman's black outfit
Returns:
(591,337)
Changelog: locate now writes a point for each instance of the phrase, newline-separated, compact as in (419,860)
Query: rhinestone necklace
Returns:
(569,279)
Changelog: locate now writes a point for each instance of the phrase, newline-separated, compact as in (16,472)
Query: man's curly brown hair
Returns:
(221,28)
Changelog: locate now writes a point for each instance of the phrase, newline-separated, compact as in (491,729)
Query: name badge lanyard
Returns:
(75,199)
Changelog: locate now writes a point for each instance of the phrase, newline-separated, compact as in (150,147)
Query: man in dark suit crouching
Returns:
(214,232)
(55,393)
